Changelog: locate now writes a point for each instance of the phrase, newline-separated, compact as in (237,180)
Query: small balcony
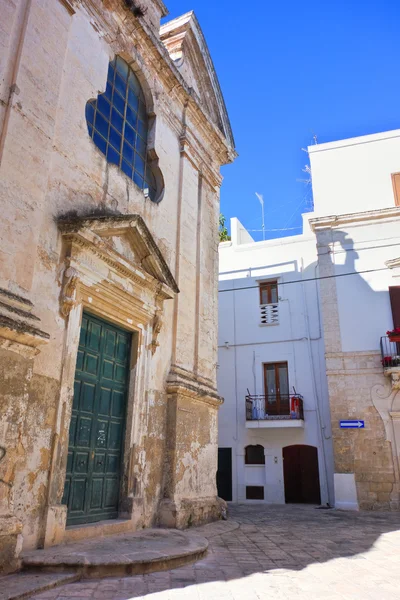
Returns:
(274,411)
(390,353)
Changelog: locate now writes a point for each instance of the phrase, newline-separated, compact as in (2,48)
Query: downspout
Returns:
(236,438)
(13,86)
(321,427)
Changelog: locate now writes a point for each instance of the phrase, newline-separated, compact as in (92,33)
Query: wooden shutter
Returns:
(396,188)
(394,293)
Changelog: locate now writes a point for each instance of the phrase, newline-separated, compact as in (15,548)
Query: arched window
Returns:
(254,455)
(118,124)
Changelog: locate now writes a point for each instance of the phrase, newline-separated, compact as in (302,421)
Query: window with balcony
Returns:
(269,307)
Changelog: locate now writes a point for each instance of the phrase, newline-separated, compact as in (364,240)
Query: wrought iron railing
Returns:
(269,314)
(274,407)
(390,352)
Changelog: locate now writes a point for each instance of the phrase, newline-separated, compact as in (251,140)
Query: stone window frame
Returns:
(103,128)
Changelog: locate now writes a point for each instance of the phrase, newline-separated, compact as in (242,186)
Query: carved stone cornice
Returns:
(114,266)
(18,325)
(185,383)
(333,221)
(95,232)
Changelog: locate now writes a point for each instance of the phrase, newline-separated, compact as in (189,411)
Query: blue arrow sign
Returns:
(352,424)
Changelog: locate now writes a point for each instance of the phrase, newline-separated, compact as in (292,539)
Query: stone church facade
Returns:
(112,134)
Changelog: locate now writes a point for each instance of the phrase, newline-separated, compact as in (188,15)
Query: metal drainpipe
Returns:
(314,385)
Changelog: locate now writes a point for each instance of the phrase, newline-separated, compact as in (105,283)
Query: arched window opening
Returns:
(118,124)
(254,455)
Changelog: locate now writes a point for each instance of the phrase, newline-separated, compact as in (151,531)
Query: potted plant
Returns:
(394,334)
(390,361)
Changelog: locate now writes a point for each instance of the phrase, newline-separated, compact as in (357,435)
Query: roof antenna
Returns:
(261,199)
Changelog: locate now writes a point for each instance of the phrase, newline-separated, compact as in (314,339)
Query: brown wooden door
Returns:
(394,293)
(301,475)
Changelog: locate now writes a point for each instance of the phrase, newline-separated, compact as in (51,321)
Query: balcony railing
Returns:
(390,352)
(269,314)
(276,407)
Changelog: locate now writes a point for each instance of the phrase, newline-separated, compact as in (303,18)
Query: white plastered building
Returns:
(309,314)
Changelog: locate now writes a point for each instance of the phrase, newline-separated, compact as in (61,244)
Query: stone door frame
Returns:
(111,268)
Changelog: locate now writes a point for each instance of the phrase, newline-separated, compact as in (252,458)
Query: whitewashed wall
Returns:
(354,175)
(244,345)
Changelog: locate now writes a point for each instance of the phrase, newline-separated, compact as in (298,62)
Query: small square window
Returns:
(254,492)
(269,292)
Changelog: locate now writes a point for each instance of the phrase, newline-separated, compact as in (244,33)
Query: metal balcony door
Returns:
(97,427)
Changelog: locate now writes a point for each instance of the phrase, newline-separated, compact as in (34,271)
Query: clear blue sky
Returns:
(289,71)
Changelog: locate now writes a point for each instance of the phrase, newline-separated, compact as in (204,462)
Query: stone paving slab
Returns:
(123,554)
(22,585)
(277,553)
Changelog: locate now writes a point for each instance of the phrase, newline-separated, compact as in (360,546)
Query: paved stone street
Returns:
(285,553)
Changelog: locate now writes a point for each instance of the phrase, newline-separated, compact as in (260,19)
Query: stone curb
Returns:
(24,585)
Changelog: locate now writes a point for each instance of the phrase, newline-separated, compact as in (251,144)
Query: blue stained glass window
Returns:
(115,121)
(128,153)
(130,134)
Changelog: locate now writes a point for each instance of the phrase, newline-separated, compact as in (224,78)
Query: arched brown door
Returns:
(301,475)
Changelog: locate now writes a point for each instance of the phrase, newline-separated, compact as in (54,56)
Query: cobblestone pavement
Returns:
(285,553)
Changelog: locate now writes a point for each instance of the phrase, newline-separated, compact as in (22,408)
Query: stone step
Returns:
(121,555)
(76,533)
(24,585)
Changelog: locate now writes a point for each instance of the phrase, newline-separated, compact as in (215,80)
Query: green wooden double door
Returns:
(97,427)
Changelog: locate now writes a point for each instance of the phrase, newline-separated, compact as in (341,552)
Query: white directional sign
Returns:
(352,424)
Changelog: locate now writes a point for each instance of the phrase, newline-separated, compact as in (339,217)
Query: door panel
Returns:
(98,422)
(224,473)
(301,475)
(394,293)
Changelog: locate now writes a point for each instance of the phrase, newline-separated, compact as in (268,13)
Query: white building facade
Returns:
(317,307)
(356,185)
(271,352)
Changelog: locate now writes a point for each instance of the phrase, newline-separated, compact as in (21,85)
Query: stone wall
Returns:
(365,460)
(55,56)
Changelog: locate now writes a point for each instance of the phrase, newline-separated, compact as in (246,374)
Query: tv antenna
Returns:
(261,199)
